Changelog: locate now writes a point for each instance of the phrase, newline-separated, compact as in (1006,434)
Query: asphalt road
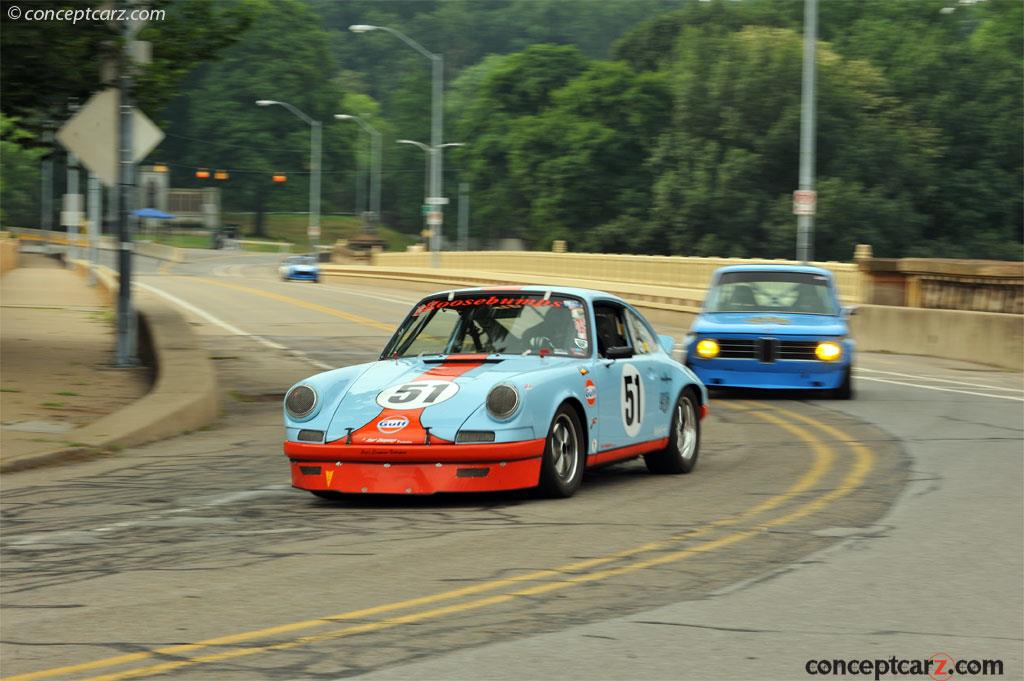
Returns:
(890,525)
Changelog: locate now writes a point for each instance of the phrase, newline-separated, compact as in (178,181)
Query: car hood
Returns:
(769,323)
(391,402)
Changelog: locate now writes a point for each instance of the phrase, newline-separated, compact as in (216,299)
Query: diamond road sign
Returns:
(92,134)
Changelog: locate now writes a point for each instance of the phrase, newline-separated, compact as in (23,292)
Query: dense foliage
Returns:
(648,126)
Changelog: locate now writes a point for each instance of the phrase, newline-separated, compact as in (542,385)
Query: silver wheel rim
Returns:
(686,429)
(565,448)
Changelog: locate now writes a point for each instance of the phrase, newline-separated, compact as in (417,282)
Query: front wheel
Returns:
(845,389)
(684,439)
(561,470)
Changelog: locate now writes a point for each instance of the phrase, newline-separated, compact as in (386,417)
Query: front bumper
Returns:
(415,469)
(780,375)
(303,276)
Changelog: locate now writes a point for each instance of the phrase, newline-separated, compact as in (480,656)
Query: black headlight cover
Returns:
(300,401)
(502,401)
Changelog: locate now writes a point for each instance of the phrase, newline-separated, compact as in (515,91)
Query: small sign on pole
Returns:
(434,218)
(313,232)
(805,202)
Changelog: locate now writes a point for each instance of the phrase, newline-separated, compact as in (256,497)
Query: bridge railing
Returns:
(684,272)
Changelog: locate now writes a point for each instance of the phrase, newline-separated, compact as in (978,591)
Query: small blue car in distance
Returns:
(772,326)
(300,268)
(497,388)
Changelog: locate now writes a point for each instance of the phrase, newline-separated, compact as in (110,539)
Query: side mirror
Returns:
(668,344)
(849,311)
(618,352)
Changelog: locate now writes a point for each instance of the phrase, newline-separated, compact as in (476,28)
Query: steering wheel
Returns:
(542,343)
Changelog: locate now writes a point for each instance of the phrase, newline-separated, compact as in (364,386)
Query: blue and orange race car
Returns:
(772,326)
(494,389)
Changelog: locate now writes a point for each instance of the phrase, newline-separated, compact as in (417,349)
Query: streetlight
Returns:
(807,197)
(431,152)
(314,168)
(437,63)
(374,162)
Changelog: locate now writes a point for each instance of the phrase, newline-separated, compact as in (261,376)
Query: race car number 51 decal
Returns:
(417,395)
(632,400)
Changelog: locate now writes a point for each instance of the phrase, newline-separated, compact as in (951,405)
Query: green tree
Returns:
(283,56)
(19,175)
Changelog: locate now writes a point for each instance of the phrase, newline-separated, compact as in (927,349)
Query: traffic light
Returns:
(203,174)
(279,178)
(221,175)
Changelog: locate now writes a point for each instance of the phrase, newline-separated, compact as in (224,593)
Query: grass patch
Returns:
(67,393)
(185,240)
(108,317)
(291,227)
(10,390)
(53,405)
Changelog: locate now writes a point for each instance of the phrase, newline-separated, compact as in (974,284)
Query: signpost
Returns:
(109,136)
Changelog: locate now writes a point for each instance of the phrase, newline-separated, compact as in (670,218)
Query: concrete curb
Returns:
(184,396)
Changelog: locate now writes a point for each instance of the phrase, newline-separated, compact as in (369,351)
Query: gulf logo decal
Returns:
(590,392)
(392,424)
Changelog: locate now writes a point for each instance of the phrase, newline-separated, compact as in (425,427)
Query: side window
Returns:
(643,341)
(611,327)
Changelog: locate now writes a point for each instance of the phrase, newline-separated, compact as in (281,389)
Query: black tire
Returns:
(684,439)
(561,469)
(845,389)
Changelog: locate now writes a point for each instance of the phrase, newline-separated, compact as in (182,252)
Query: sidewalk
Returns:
(56,350)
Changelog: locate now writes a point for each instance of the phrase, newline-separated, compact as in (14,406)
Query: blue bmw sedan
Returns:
(774,327)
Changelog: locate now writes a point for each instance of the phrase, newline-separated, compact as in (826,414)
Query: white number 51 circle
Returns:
(417,395)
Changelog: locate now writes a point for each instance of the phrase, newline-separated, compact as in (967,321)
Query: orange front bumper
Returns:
(415,469)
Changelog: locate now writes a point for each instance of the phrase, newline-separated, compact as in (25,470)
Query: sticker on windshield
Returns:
(582,343)
(489,302)
(417,395)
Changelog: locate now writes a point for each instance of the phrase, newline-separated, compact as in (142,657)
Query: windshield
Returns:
(300,260)
(783,292)
(492,323)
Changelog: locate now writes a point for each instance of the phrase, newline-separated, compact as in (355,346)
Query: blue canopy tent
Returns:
(152,213)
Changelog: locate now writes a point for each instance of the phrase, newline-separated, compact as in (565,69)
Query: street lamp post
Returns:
(375,153)
(431,153)
(805,217)
(314,168)
(436,120)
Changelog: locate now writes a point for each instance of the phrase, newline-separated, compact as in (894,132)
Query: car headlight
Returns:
(827,351)
(502,401)
(707,348)
(300,401)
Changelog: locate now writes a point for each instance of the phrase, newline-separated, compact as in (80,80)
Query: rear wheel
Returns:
(680,456)
(561,470)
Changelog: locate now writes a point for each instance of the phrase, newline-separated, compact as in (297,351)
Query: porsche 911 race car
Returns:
(772,326)
(495,389)
(300,268)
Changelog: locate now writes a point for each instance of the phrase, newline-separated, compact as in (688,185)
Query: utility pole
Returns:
(125,352)
(463,216)
(95,216)
(46,177)
(805,199)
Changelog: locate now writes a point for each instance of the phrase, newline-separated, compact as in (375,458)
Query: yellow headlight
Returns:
(707,348)
(827,351)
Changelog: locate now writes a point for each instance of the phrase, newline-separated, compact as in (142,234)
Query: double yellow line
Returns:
(550,580)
